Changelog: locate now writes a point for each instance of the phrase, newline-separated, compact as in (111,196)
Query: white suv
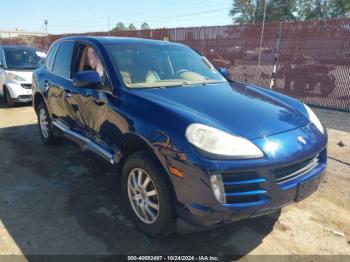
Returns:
(17,64)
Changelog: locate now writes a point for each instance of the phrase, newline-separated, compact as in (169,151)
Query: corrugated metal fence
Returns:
(308,60)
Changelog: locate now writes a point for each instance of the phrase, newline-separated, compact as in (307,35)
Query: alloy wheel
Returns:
(44,123)
(143,195)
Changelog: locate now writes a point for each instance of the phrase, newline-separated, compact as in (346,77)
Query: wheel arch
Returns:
(4,86)
(133,143)
(38,97)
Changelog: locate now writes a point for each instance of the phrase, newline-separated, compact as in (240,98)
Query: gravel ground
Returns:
(59,200)
(334,119)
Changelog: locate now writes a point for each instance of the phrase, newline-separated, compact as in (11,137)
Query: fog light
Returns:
(218,188)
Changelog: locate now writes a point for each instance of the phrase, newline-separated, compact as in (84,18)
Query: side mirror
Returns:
(223,71)
(87,79)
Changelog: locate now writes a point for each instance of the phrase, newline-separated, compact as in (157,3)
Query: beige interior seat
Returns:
(191,76)
(152,76)
(83,60)
(89,59)
(126,77)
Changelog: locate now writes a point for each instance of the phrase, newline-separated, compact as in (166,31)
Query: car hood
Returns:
(233,107)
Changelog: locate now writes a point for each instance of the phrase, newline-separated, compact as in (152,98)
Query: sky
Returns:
(78,16)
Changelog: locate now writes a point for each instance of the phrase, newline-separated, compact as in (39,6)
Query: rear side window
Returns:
(63,59)
(51,56)
(1,59)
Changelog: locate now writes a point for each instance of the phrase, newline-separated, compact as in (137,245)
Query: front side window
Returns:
(148,66)
(50,56)
(90,61)
(23,58)
(1,58)
(63,59)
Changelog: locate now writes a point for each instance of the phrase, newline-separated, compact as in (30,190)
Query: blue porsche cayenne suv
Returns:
(193,149)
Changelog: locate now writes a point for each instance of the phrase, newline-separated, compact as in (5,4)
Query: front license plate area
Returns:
(306,188)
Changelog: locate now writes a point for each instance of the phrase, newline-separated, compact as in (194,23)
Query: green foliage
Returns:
(280,10)
(131,27)
(321,9)
(339,8)
(251,11)
(313,9)
(145,26)
(119,27)
(244,11)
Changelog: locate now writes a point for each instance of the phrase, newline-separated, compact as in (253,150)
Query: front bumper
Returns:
(20,92)
(270,185)
(276,197)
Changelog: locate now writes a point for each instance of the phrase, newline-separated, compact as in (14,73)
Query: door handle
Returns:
(46,85)
(99,103)
(67,93)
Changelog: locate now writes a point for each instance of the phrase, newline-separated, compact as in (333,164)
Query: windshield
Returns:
(23,58)
(148,66)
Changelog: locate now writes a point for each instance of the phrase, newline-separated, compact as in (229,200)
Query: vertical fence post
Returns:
(276,55)
(261,43)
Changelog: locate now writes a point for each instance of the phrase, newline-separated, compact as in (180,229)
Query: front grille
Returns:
(25,97)
(27,86)
(244,189)
(294,171)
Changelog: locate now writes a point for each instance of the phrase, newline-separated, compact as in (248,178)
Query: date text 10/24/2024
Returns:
(173,258)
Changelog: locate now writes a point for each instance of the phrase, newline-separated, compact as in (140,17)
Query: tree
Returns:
(132,27)
(313,9)
(322,9)
(281,10)
(243,11)
(252,11)
(145,26)
(119,27)
(339,8)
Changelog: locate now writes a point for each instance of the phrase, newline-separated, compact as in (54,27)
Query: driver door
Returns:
(90,104)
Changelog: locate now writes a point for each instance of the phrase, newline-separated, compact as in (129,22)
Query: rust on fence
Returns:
(308,60)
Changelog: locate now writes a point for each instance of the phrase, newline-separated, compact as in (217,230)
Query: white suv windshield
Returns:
(23,58)
(148,66)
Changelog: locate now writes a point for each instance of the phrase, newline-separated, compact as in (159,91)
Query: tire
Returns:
(163,220)
(10,102)
(44,123)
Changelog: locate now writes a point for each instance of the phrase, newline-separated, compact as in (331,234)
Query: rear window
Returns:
(63,59)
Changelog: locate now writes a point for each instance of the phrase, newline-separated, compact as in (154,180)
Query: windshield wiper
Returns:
(204,83)
(213,82)
(22,68)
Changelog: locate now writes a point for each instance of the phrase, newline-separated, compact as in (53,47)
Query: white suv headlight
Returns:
(314,119)
(221,144)
(15,77)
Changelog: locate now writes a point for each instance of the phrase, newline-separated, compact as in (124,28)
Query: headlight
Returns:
(221,144)
(218,188)
(14,77)
(314,119)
